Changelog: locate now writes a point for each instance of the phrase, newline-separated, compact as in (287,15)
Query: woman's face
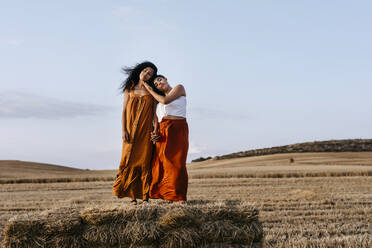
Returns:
(146,74)
(161,83)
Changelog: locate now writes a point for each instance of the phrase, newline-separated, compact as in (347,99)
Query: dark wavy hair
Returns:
(133,75)
(159,75)
(156,89)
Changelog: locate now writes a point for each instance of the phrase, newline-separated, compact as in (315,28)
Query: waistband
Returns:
(174,121)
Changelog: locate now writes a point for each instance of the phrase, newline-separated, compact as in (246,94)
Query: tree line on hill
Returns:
(347,145)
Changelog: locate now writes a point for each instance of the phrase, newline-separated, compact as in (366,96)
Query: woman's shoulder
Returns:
(179,86)
(128,93)
(181,89)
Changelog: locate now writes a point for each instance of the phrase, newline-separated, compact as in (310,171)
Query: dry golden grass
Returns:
(56,180)
(294,212)
(158,224)
(324,164)
(334,164)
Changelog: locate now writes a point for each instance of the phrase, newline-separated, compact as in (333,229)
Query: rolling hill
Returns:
(16,169)
(346,145)
(327,158)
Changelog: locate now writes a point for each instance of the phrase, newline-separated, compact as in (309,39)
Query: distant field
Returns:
(13,171)
(304,165)
(303,211)
(278,165)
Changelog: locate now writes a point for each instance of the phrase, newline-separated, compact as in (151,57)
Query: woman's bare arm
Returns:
(155,119)
(176,92)
(155,132)
(124,117)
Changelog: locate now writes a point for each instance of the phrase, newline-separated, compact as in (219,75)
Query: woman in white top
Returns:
(169,174)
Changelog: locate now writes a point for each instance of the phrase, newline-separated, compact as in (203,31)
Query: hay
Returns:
(301,194)
(197,224)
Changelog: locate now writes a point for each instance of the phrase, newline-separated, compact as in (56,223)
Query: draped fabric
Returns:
(134,174)
(169,174)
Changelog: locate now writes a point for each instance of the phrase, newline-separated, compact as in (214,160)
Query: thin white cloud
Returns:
(14,104)
(124,11)
(195,149)
(127,12)
(14,42)
(134,18)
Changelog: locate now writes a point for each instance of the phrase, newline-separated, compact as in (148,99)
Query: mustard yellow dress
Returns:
(134,174)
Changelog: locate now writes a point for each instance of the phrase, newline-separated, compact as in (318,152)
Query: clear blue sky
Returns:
(257,73)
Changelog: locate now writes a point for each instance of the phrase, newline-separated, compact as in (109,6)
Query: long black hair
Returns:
(156,89)
(134,73)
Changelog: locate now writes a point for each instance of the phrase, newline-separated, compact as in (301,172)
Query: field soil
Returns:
(297,207)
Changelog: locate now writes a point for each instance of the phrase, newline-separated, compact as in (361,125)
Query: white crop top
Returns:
(176,108)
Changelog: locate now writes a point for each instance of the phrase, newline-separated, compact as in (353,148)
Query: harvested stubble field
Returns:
(304,210)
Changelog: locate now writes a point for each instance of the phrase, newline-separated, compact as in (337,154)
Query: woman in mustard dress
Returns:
(134,174)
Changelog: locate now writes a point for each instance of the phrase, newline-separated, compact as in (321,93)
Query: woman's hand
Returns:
(155,136)
(148,87)
(125,136)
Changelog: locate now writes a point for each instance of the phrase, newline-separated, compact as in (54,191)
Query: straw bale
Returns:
(179,217)
(197,224)
(181,237)
(45,230)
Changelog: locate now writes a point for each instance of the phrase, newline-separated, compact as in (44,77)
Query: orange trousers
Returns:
(169,174)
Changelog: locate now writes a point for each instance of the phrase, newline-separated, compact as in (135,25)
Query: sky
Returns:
(257,74)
